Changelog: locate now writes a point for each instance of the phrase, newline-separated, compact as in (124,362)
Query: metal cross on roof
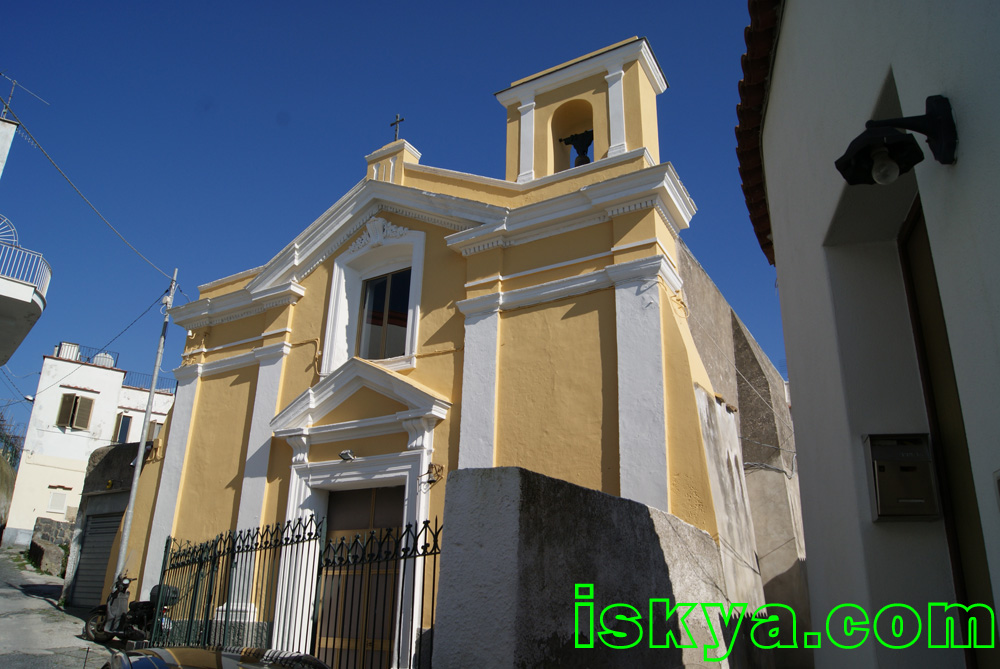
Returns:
(395,124)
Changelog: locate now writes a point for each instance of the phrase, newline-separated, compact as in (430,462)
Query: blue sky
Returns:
(211,133)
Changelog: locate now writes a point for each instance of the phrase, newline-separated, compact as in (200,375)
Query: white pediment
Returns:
(335,388)
(328,233)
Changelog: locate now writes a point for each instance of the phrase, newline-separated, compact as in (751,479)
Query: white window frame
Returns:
(154,430)
(53,496)
(115,437)
(382,248)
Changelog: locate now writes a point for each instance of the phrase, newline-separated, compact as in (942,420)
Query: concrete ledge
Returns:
(47,555)
(516,545)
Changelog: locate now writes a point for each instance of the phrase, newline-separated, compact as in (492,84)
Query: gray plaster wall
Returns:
(729,495)
(516,545)
(710,321)
(747,382)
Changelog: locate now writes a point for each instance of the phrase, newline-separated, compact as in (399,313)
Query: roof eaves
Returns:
(760,36)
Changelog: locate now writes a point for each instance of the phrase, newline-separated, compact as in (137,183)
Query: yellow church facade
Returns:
(432,320)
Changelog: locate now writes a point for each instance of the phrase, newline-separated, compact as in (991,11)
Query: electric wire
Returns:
(24,88)
(103,348)
(84,197)
(7,374)
(726,357)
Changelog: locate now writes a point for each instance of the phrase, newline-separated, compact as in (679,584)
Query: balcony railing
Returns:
(144,381)
(24,265)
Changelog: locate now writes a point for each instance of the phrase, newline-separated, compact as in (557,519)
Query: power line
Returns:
(725,356)
(113,339)
(14,385)
(80,193)
(16,84)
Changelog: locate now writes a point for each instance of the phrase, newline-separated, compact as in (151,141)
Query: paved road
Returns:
(35,633)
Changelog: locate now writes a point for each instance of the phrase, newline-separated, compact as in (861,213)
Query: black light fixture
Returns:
(347,455)
(883,152)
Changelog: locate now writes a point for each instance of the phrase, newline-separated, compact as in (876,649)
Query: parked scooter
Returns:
(129,621)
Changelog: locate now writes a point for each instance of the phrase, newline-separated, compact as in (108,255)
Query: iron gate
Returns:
(362,602)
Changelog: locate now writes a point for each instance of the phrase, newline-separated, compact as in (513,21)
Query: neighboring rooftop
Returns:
(100,357)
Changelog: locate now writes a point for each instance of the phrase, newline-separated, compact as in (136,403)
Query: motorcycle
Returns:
(133,621)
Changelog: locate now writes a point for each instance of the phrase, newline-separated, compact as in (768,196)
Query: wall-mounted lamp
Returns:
(883,152)
(433,475)
(347,455)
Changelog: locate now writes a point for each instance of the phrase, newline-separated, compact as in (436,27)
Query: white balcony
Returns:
(24,281)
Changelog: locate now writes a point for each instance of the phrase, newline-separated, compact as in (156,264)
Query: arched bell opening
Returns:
(572,135)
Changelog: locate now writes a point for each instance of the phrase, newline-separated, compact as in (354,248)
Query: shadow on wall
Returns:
(519,546)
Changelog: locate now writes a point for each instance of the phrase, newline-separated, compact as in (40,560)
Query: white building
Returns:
(890,297)
(24,274)
(83,402)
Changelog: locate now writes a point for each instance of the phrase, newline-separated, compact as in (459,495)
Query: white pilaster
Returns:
(526,171)
(616,113)
(479,387)
(297,570)
(170,476)
(642,423)
(271,360)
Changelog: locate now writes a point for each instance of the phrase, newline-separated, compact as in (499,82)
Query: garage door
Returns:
(98,536)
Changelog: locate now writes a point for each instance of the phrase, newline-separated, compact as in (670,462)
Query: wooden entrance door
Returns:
(357,621)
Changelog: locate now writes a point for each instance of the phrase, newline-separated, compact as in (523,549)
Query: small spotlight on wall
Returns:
(347,455)
(883,152)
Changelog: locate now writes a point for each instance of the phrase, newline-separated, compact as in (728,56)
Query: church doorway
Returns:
(359,589)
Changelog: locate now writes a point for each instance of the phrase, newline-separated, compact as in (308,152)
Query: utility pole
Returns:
(127,527)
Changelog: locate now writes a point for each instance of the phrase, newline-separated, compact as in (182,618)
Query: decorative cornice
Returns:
(338,224)
(516,188)
(655,187)
(426,218)
(186,373)
(272,352)
(234,306)
(646,269)
(337,386)
(643,269)
(603,62)
(254,357)
(483,304)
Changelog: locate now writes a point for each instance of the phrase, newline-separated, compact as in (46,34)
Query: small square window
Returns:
(57,502)
(384,308)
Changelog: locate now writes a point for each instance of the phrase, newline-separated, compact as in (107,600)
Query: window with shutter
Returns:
(81,418)
(65,418)
(74,412)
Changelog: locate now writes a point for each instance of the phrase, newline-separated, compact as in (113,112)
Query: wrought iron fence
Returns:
(375,599)
(225,588)
(366,601)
